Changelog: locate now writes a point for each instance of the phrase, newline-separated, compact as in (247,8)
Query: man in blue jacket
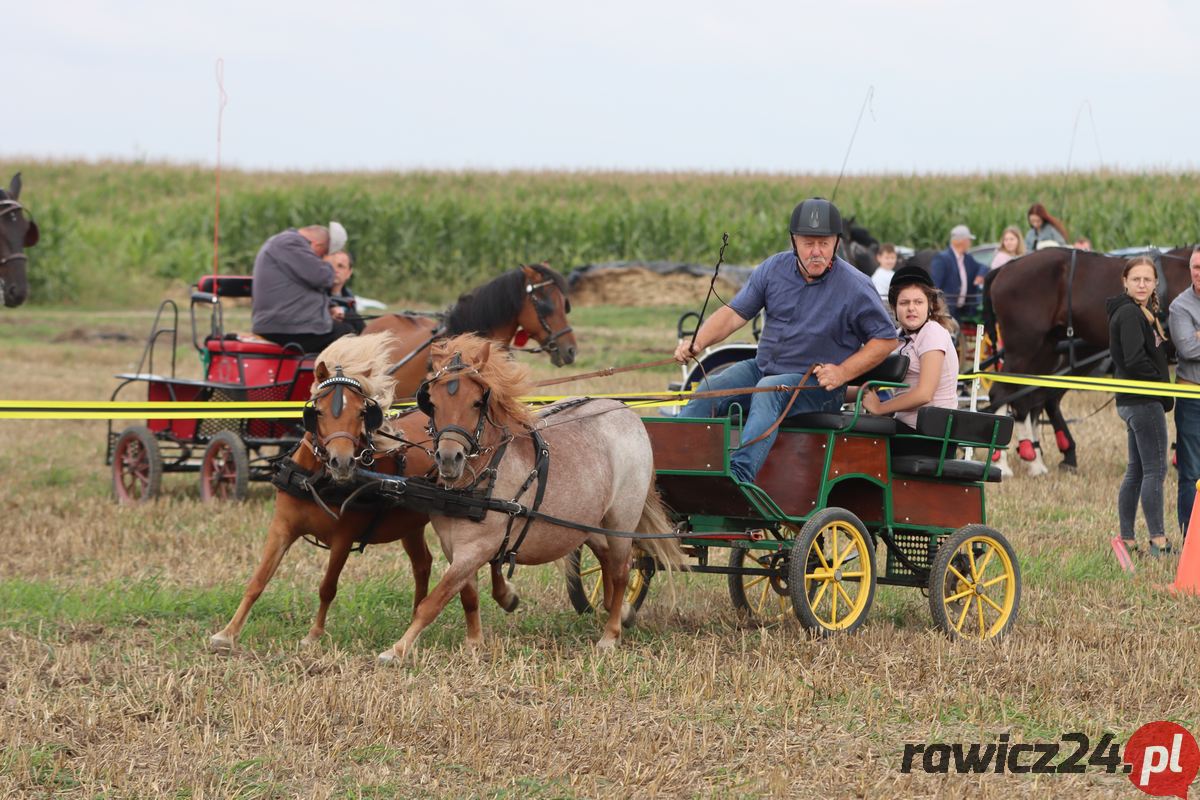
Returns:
(821,313)
(958,274)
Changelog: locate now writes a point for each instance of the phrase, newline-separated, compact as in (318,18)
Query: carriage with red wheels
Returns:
(227,451)
(842,504)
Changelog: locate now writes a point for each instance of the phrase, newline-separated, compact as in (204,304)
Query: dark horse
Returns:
(530,300)
(1037,306)
(17,231)
(859,247)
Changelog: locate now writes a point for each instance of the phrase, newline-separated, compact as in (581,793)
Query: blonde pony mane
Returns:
(507,379)
(366,360)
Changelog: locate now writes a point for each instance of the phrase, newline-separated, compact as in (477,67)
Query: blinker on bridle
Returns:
(372,417)
(543,307)
(452,368)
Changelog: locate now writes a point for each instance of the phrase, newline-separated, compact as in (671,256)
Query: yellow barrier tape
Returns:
(292,409)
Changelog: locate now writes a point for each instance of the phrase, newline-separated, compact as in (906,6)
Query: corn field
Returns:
(120,233)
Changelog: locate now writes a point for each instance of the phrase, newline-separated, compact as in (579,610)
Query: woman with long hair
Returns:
(1044,228)
(1136,339)
(1011,246)
(926,331)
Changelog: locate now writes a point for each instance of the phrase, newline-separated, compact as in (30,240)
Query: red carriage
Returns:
(228,451)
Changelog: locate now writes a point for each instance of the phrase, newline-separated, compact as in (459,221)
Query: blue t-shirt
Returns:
(823,322)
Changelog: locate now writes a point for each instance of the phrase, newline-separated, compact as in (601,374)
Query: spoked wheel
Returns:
(975,584)
(225,471)
(137,466)
(585,585)
(831,574)
(760,599)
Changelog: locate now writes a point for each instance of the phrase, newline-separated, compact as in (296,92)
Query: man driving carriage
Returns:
(291,289)
(820,312)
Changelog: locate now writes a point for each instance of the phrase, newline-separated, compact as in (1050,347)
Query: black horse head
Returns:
(859,247)
(17,231)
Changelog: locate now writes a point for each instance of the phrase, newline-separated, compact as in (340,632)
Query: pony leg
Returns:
(280,536)
(1062,434)
(422,564)
(502,591)
(1029,448)
(469,597)
(1000,457)
(614,567)
(339,549)
(460,572)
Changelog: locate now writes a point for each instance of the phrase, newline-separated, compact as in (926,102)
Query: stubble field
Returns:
(108,689)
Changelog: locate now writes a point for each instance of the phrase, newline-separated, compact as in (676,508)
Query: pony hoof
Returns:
(1065,467)
(512,604)
(309,641)
(1037,470)
(606,644)
(220,644)
(388,657)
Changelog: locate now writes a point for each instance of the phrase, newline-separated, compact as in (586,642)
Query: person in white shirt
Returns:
(882,276)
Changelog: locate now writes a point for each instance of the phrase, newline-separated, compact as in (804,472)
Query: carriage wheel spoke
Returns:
(971,561)
(994,581)
(982,624)
(963,616)
(845,595)
(991,603)
(816,600)
(959,575)
(983,565)
(821,555)
(954,598)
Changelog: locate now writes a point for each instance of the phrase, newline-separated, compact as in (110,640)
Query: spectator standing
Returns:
(1044,229)
(1136,339)
(1185,334)
(958,274)
(1011,246)
(882,276)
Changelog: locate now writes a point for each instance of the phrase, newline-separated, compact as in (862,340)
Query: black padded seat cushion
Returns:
(836,421)
(968,427)
(892,370)
(954,469)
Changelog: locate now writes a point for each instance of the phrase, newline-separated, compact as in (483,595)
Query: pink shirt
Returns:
(932,336)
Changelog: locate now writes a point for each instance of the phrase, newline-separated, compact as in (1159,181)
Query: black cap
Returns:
(908,275)
(816,217)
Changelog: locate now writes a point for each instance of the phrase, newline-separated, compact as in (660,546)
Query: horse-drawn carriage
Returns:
(833,512)
(228,452)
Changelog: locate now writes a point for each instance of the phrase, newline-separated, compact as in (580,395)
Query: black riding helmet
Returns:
(816,217)
(907,275)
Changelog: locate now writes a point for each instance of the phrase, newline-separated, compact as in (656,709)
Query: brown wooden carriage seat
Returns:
(955,428)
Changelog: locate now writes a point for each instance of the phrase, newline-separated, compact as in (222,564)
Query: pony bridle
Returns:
(543,307)
(9,206)
(372,417)
(454,371)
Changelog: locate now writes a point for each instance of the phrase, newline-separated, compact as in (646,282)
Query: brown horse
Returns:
(530,300)
(587,462)
(344,419)
(17,231)
(1039,302)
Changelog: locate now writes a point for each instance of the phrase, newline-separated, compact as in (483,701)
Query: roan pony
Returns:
(529,300)
(587,462)
(17,231)
(344,430)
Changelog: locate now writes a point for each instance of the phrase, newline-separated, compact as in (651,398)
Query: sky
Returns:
(941,87)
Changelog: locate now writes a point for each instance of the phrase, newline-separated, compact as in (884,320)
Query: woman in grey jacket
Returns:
(1136,339)
(1043,228)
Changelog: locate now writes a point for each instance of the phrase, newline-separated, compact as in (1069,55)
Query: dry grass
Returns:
(108,689)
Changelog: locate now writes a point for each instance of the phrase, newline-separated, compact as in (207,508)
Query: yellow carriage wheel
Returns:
(975,584)
(831,572)
(760,599)
(585,585)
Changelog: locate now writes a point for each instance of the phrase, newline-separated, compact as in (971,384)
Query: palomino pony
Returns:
(527,302)
(1039,302)
(584,461)
(17,231)
(343,421)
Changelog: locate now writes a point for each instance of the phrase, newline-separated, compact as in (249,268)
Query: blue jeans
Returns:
(1187,451)
(765,408)
(1147,470)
